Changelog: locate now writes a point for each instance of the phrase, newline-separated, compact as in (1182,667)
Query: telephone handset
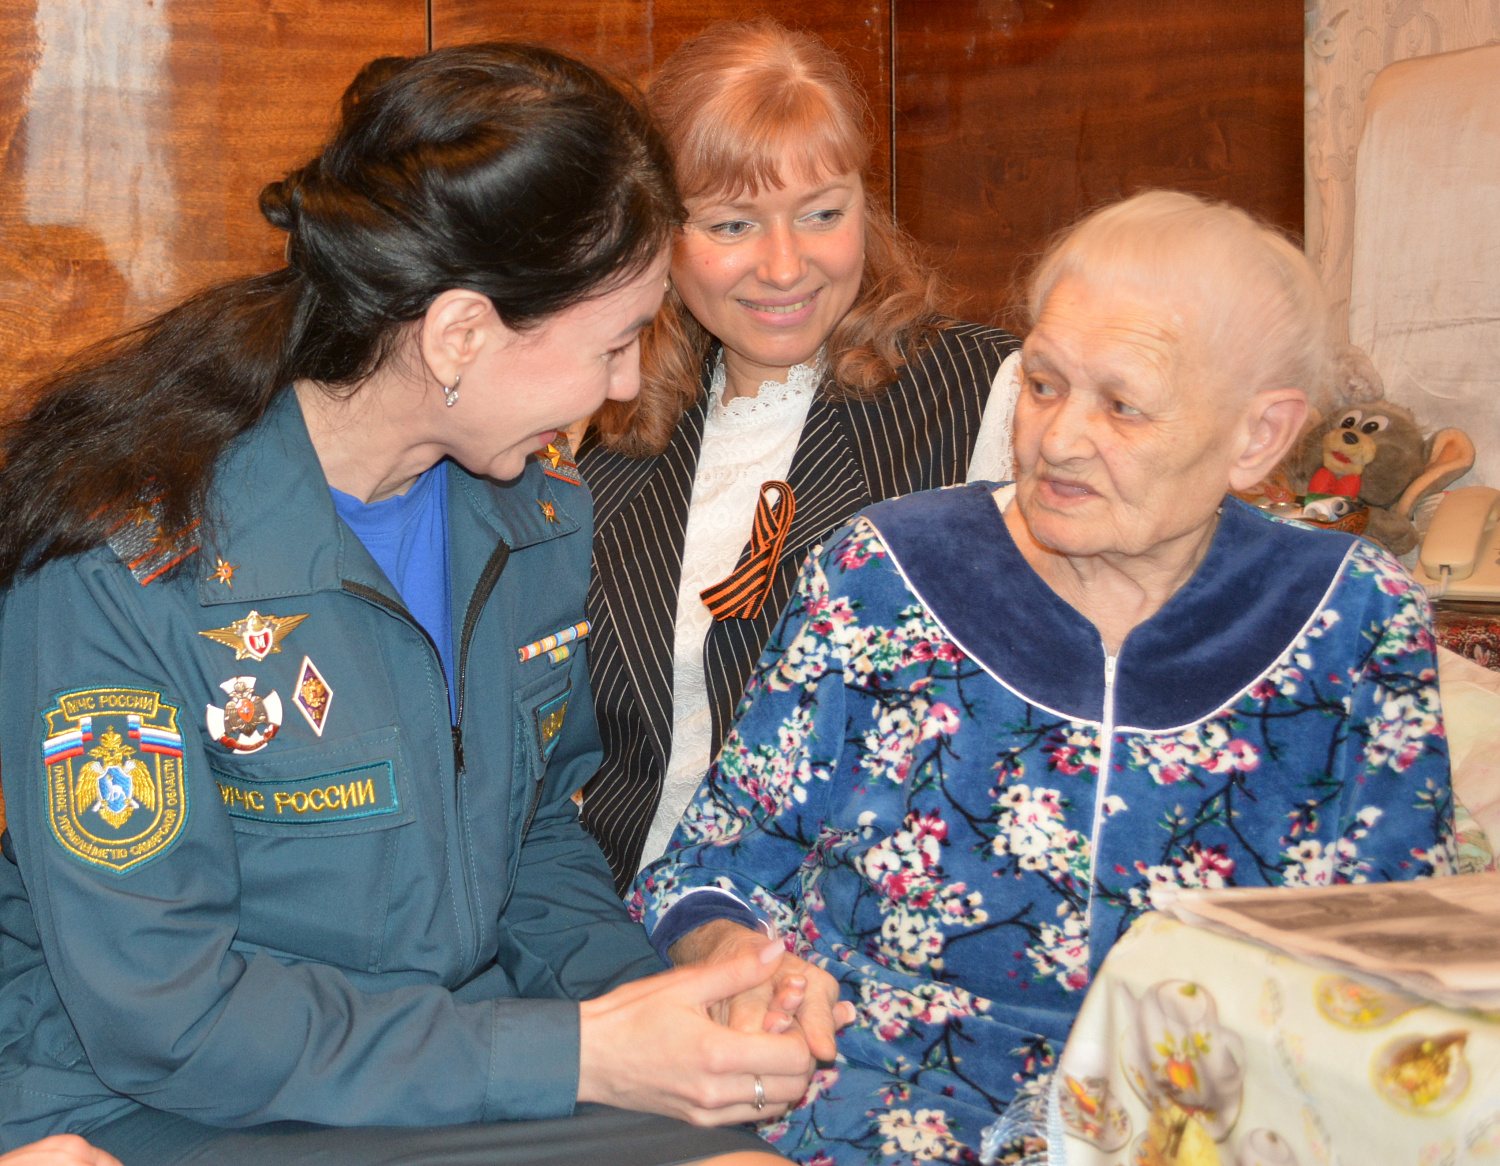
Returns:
(1460,555)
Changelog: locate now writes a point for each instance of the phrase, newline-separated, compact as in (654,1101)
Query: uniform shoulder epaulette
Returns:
(146,550)
(557,462)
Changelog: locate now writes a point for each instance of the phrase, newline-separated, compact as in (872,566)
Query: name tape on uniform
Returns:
(361,791)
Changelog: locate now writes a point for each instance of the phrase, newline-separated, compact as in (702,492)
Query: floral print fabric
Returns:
(942,845)
(1197,1048)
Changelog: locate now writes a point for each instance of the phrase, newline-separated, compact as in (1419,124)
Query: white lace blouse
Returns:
(748,441)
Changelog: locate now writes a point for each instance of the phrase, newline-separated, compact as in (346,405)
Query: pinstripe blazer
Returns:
(917,436)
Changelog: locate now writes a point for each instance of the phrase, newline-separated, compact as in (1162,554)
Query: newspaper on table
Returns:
(1438,939)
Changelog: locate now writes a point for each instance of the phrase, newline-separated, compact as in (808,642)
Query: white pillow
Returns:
(1471,716)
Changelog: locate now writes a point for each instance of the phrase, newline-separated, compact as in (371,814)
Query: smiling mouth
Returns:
(780,309)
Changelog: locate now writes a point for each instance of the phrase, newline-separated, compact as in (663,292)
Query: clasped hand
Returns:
(691,1043)
(58,1150)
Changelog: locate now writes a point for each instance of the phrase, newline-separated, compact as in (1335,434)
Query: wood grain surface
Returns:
(635,36)
(1013,117)
(134,134)
(134,138)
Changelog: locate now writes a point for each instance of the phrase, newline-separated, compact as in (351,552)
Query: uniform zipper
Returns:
(1106,749)
(482,590)
(488,577)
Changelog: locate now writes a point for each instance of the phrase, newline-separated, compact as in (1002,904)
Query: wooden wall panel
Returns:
(1015,116)
(134,137)
(634,37)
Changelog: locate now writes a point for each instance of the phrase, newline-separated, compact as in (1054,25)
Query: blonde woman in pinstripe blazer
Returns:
(801,345)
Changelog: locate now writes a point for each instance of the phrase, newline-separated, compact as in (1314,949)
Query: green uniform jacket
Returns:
(211,908)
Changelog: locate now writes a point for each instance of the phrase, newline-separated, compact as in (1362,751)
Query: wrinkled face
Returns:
(771,274)
(519,394)
(1123,440)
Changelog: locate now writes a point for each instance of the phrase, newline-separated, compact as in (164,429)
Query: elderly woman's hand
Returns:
(59,1150)
(653,1045)
(799,993)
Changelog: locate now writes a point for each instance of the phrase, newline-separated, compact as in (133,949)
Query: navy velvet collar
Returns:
(1255,590)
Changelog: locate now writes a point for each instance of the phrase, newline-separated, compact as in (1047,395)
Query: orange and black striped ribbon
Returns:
(743,592)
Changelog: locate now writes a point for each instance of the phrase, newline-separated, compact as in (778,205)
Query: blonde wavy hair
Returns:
(740,105)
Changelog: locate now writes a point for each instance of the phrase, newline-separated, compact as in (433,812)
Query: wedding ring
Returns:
(760,1094)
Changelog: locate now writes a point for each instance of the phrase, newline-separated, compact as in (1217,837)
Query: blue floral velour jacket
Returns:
(941,789)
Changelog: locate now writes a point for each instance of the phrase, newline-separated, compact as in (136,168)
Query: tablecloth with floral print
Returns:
(1195,1049)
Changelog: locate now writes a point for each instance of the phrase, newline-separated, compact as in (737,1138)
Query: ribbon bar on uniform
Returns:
(743,593)
(550,643)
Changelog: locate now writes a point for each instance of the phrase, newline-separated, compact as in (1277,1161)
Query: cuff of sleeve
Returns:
(533,1060)
(694,910)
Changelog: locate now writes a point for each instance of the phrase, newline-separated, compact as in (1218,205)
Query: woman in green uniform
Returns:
(292,695)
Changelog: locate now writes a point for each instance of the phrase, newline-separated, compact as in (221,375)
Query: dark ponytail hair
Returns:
(506,169)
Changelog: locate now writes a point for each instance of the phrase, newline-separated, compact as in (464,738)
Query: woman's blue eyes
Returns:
(734,228)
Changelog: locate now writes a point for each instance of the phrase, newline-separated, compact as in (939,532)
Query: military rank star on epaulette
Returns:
(557,461)
(146,550)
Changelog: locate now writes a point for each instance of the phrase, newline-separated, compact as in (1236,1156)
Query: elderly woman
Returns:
(801,364)
(992,721)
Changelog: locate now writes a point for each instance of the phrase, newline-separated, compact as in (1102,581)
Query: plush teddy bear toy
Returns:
(1364,469)
(1365,466)
(1357,457)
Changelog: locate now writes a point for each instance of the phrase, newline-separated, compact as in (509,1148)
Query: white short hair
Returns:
(1261,313)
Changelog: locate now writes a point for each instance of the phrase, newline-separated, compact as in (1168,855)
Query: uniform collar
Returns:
(274,523)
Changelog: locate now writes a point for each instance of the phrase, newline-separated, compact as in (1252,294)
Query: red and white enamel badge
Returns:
(247,722)
(256,636)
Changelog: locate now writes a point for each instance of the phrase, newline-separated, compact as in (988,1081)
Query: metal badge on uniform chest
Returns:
(256,636)
(247,722)
(313,696)
(224,573)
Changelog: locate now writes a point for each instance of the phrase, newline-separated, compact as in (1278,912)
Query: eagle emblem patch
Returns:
(127,802)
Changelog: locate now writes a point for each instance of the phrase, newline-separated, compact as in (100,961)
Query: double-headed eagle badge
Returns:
(114,785)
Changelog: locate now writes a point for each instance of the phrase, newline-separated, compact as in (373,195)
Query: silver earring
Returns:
(450,395)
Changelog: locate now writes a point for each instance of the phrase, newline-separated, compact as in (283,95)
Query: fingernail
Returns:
(772,952)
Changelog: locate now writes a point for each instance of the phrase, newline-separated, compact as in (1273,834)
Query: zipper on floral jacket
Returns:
(1101,789)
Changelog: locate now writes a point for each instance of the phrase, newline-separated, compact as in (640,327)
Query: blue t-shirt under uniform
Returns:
(407,535)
